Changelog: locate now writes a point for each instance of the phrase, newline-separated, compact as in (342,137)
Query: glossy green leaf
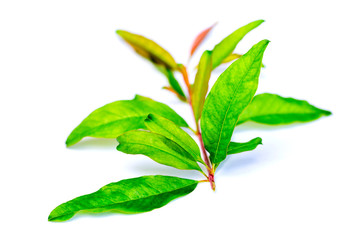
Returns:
(228,44)
(118,117)
(235,147)
(170,130)
(135,195)
(201,84)
(148,49)
(158,148)
(229,96)
(273,109)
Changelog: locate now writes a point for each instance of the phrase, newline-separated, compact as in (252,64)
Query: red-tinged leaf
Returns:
(148,49)
(170,89)
(200,38)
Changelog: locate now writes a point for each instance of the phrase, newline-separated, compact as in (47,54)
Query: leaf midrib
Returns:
(187,145)
(281,114)
(126,201)
(227,110)
(111,122)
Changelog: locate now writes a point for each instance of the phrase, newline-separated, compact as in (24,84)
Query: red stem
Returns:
(210,168)
(206,158)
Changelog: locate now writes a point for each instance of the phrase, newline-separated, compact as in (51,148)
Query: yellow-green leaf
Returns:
(233,57)
(228,44)
(148,49)
(201,84)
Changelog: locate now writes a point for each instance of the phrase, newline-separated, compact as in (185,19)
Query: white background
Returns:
(60,60)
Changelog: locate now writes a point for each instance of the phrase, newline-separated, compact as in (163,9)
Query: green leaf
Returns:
(233,57)
(162,60)
(118,117)
(158,148)
(228,44)
(148,49)
(135,195)
(235,147)
(201,84)
(273,109)
(173,82)
(170,130)
(229,96)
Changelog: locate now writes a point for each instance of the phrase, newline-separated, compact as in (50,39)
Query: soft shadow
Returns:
(94,214)
(248,161)
(152,168)
(236,164)
(95,143)
(250,126)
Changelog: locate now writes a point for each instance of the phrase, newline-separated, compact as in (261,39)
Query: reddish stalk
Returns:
(209,166)
(206,158)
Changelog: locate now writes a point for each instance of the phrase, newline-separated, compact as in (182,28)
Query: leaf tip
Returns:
(264,43)
(119,32)
(70,141)
(200,38)
(51,217)
(327,113)
(259,22)
(138,97)
(54,217)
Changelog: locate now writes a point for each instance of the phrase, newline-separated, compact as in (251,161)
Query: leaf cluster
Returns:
(148,127)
